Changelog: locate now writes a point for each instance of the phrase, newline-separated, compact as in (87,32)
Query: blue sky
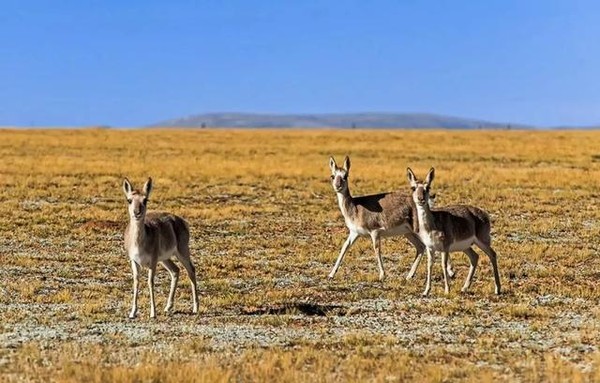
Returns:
(129,63)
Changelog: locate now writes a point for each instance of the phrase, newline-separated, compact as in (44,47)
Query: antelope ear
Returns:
(147,187)
(430,176)
(332,165)
(127,188)
(347,164)
(411,177)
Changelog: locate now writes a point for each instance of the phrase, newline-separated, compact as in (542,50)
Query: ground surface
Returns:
(266,230)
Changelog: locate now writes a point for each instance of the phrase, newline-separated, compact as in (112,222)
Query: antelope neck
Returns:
(345,201)
(426,221)
(137,230)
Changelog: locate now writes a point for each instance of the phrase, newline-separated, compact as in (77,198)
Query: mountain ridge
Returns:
(364,120)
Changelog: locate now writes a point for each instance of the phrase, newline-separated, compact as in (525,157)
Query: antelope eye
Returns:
(129,200)
(345,177)
(413,188)
(332,176)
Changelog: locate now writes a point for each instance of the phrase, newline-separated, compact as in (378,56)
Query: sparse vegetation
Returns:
(265,233)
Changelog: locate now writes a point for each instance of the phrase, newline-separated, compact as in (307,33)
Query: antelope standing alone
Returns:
(449,229)
(152,238)
(376,216)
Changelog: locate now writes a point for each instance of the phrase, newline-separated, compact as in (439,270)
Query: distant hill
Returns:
(582,127)
(337,120)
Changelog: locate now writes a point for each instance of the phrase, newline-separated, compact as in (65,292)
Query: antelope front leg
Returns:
(420,250)
(135,269)
(151,273)
(377,248)
(349,241)
(445,271)
(429,267)
(415,264)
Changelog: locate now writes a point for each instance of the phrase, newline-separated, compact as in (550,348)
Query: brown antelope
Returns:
(450,229)
(152,238)
(376,216)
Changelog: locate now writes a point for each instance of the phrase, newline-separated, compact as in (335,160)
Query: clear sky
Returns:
(136,62)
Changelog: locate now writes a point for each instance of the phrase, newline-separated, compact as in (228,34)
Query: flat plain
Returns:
(266,230)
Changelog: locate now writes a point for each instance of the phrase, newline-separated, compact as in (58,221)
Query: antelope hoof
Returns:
(464,289)
(450,273)
(168,309)
(330,276)
(381,277)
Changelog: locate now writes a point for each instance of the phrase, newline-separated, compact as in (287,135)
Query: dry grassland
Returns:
(266,230)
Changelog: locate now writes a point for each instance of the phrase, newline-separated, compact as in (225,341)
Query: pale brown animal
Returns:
(449,229)
(375,216)
(152,238)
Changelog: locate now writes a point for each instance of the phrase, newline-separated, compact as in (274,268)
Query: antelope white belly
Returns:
(139,257)
(394,231)
(357,229)
(143,258)
(462,245)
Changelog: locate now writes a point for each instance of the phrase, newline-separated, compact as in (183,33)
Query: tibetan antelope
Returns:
(152,238)
(450,229)
(376,216)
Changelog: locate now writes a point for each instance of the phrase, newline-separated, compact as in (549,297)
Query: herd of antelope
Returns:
(153,238)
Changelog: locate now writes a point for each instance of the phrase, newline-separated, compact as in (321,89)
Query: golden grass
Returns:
(300,364)
(266,230)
